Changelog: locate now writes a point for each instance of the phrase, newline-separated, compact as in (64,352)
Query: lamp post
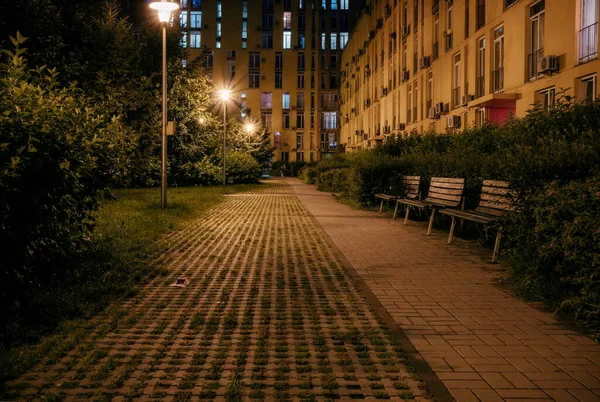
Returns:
(224,95)
(164,9)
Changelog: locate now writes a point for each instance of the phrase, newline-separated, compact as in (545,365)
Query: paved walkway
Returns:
(270,314)
(481,342)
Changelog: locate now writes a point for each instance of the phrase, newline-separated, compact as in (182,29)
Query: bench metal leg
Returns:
(451,230)
(496,246)
(406,215)
(431,221)
(395,210)
(381,206)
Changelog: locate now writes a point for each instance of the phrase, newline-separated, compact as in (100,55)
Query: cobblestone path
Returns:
(483,343)
(269,314)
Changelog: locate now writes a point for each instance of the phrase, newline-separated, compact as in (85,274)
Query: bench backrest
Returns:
(411,186)
(496,198)
(393,188)
(446,191)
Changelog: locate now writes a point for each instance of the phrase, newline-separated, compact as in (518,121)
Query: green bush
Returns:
(241,168)
(57,151)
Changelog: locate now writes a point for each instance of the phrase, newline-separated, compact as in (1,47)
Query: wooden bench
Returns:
(410,185)
(444,192)
(393,192)
(494,203)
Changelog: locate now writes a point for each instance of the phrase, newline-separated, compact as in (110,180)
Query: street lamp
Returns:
(224,95)
(164,9)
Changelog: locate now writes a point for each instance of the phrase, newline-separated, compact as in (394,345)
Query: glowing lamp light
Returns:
(249,127)
(164,8)
(224,94)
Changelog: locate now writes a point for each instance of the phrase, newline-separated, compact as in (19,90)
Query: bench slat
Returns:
(468,216)
(451,191)
(490,211)
(447,180)
(442,201)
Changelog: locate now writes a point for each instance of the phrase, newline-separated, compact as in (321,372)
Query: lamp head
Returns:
(249,127)
(224,94)
(164,9)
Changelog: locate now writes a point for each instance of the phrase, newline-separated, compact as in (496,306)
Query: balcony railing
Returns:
(532,63)
(456,101)
(480,86)
(498,79)
(588,43)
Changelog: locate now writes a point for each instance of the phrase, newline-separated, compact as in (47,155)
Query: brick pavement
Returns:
(270,314)
(484,344)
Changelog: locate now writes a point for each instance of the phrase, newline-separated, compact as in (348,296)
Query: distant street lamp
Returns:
(224,95)
(164,9)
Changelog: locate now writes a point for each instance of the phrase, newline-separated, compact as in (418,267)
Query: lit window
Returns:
(219,9)
(244,44)
(218,29)
(287,40)
(344,4)
(287,20)
(329,120)
(266,100)
(196,3)
(218,44)
(184,4)
(183,41)
(196,19)
(323,4)
(333,41)
(323,41)
(588,35)
(334,4)
(301,4)
(343,39)
(183,19)
(195,40)
(245,9)
(285,100)
(244,29)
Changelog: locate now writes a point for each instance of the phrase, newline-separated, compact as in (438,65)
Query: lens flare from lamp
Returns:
(249,127)
(224,94)
(164,9)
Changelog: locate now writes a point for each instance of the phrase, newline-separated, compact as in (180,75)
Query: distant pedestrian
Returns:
(282,170)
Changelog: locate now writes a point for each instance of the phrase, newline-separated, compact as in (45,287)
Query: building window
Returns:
(208,60)
(267,40)
(254,61)
(480,117)
(435,53)
(301,41)
(300,120)
(299,140)
(333,81)
(218,44)
(245,9)
(415,100)
(301,4)
(278,61)
(253,80)
(409,104)
(588,35)
(323,82)
(587,88)
(344,4)
(480,80)
(287,20)
(301,61)
(300,100)
(498,71)
(429,91)
(278,80)
(195,3)
(547,98)
(266,100)
(195,40)
(183,4)
(449,17)
(285,121)
(230,69)
(300,81)
(323,41)
(537,18)
(329,120)
(219,10)
(299,156)
(480,13)
(285,100)
(267,121)
(218,30)
(184,40)
(333,41)
(343,39)
(334,4)
(287,40)
(329,100)
(509,3)
(312,121)
(196,19)
(456,100)
(183,19)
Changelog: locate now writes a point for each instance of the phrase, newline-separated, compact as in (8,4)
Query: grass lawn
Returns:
(116,264)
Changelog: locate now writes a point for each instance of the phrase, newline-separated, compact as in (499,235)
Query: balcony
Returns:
(498,79)
(532,63)
(588,43)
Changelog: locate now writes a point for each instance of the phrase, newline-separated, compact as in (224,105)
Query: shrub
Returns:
(241,168)
(57,151)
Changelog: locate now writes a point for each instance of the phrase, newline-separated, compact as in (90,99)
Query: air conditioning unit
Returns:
(353,110)
(453,121)
(547,64)
(406,30)
(400,126)
(431,114)
(405,75)
(440,108)
(448,32)
(424,62)
(466,99)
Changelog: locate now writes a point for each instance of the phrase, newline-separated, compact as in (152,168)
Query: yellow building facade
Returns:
(418,65)
(280,59)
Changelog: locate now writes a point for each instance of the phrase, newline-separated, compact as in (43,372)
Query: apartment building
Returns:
(417,65)
(280,59)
